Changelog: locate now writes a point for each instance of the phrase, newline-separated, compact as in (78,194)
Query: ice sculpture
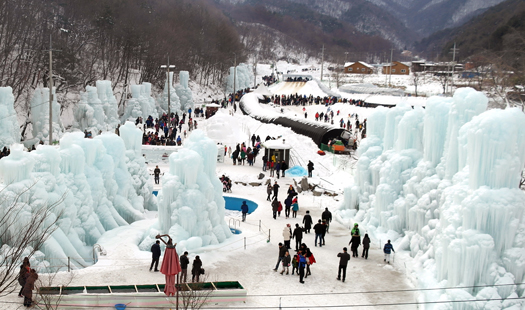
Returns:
(451,193)
(243,78)
(191,207)
(141,104)
(9,129)
(184,91)
(40,115)
(136,163)
(162,101)
(93,177)
(109,103)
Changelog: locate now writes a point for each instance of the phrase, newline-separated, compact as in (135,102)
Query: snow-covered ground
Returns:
(252,266)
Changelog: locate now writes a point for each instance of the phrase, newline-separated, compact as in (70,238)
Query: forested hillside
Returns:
(497,37)
(115,40)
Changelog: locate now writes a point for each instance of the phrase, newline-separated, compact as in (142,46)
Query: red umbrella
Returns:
(170,266)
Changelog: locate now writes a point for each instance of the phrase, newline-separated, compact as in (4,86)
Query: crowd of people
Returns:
(303,258)
(167,130)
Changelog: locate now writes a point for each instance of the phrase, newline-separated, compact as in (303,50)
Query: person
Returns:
(319,229)
(366,246)
(355,241)
(327,216)
(24,269)
(155,255)
(275,190)
(307,221)
(282,252)
(264,160)
(302,265)
(244,210)
(29,286)
(325,228)
(196,269)
(287,206)
(291,191)
(298,236)
(269,190)
(279,209)
(275,208)
(295,207)
(156,173)
(310,168)
(295,263)
(284,166)
(343,262)
(277,168)
(287,235)
(310,259)
(387,249)
(184,262)
(286,262)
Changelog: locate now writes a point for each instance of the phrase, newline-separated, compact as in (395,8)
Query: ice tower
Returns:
(9,129)
(162,101)
(191,207)
(40,115)
(445,181)
(141,104)
(184,91)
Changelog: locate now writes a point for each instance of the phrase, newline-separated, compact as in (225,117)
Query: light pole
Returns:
(51,91)
(234,75)
(167,67)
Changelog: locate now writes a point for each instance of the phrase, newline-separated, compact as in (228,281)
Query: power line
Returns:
(305,306)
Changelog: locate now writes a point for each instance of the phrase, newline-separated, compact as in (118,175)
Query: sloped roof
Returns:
(348,64)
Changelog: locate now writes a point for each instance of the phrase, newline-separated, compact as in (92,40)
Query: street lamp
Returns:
(167,67)
(234,75)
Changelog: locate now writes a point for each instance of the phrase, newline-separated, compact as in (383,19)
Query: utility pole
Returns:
(51,90)
(234,75)
(168,66)
(255,72)
(454,50)
(322,63)
(390,76)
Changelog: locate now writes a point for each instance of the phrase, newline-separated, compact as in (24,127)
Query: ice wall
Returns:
(97,110)
(86,183)
(136,163)
(9,129)
(141,104)
(184,91)
(191,207)
(40,115)
(243,78)
(445,182)
(162,100)
(109,103)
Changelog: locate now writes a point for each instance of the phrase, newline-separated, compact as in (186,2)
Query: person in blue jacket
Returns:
(244,210)
(387,249)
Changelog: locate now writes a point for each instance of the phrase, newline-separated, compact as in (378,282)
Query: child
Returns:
(286,263)
(295,264)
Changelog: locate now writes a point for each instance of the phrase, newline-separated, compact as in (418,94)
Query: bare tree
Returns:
(194,295)
(416,77)
(47,298)
(23,231)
